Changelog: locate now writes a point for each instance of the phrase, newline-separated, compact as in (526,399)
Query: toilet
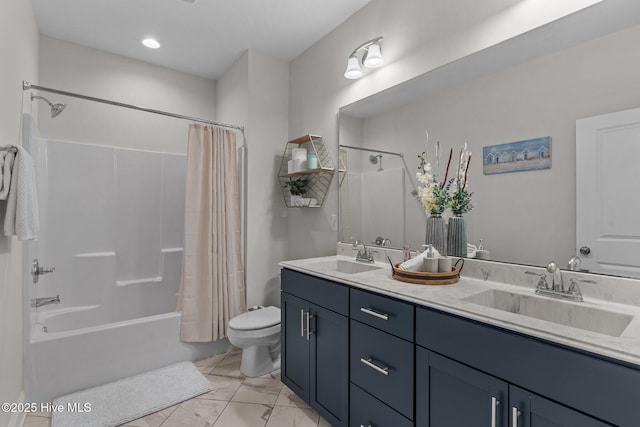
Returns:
(257,333)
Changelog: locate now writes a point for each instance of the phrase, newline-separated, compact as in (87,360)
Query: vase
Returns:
(457,236)
(435,233)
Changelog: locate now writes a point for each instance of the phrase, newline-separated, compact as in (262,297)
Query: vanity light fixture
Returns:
(372,58)
(151,43)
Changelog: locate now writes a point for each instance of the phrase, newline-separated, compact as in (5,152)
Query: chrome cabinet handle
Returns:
(371,312)
(515,413)
(369,362)
(362,425)
(494,405)
(309,333)
(302,323)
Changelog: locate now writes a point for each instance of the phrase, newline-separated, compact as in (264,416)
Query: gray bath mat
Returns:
(130,398)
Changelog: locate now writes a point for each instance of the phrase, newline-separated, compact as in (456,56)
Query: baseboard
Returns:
(17,418)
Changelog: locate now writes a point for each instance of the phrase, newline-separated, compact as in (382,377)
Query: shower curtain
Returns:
(212,288)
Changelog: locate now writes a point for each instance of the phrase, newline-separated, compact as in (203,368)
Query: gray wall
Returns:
(19,52)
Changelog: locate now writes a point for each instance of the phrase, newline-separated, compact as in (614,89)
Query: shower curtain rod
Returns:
(373,151)
(26,86)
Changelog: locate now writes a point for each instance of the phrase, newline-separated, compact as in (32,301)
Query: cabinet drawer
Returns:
(382,312)
(321,292)
(383,366)
(369,411)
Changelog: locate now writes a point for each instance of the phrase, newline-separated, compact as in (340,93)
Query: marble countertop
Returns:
(450,298)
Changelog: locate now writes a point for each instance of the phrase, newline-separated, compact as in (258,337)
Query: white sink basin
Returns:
(581,317)
(344,266)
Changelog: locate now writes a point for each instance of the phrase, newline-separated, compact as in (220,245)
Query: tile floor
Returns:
(235,401)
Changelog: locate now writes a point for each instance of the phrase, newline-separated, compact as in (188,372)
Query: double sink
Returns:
(576,315)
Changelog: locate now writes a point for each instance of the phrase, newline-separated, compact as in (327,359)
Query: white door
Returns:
(608,193)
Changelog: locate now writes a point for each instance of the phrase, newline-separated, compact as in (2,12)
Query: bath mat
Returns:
(130,398)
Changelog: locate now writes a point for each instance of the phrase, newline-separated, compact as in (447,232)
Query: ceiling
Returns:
(201,37)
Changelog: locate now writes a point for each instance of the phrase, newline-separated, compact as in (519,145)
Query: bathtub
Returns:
(112,223)
(64,359)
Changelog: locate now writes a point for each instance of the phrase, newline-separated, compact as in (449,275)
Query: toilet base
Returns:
(259,360)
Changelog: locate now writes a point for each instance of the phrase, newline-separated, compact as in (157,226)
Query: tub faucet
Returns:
(39,302)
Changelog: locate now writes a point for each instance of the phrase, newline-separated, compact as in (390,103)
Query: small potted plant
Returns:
(297,188)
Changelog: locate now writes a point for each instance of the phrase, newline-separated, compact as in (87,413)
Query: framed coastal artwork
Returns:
(531,154)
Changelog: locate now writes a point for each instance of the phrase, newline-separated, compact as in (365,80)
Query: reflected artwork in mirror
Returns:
(530,217)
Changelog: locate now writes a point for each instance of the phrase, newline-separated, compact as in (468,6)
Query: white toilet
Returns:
(257,333)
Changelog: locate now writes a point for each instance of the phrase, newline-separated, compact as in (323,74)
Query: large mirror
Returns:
(533,86)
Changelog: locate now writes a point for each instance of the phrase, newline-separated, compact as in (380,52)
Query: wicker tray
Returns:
(424,278)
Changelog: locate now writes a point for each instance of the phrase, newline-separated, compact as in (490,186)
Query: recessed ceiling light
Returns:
(151,43)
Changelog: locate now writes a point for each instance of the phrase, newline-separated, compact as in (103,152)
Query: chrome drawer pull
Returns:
(302,323)
(362,425)
(494,405)
(369,363)
(514,416)
(370,312)
(309,333)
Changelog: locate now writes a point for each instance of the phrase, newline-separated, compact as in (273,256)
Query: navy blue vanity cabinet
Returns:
(530,410)
(381,361)
(550,385)
(449,394)
(315,343)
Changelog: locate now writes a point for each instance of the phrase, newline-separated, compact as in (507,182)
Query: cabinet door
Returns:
(449,394)
(530,410)
(294,345)
(329,361)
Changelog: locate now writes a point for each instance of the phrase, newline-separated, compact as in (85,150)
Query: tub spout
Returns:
(39,302)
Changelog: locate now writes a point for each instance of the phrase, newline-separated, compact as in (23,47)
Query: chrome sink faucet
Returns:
(556,290)
(364,253)
(553,268)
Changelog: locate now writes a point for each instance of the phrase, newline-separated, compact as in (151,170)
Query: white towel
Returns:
(6,165)
(417,262)
(22,218)
(414,264)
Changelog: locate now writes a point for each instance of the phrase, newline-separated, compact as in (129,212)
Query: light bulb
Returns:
(151,43)
(353,68)
(373,57)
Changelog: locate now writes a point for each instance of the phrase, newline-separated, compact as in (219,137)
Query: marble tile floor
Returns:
(235,401)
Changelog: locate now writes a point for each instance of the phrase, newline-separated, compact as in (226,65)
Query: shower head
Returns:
(374,158)
(56,109)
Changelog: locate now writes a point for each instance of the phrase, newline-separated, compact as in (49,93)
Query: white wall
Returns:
(19,57)
(254,92)
(417,40)
(540,98)
(87,71)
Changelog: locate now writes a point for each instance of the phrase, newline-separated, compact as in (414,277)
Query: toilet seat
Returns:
(256,319)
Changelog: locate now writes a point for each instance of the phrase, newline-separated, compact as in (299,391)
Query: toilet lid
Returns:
(256,319)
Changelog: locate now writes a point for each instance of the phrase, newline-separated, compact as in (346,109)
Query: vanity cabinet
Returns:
(361,358)
(546,382)
(315,343)
(450,394)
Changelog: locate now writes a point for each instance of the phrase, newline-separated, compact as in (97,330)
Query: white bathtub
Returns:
(113,226)
(68,360)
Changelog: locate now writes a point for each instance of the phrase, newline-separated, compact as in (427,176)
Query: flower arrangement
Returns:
(460,196)
(435,195)
(432,194)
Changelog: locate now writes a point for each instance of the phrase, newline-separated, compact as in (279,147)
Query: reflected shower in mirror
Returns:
(373,197)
